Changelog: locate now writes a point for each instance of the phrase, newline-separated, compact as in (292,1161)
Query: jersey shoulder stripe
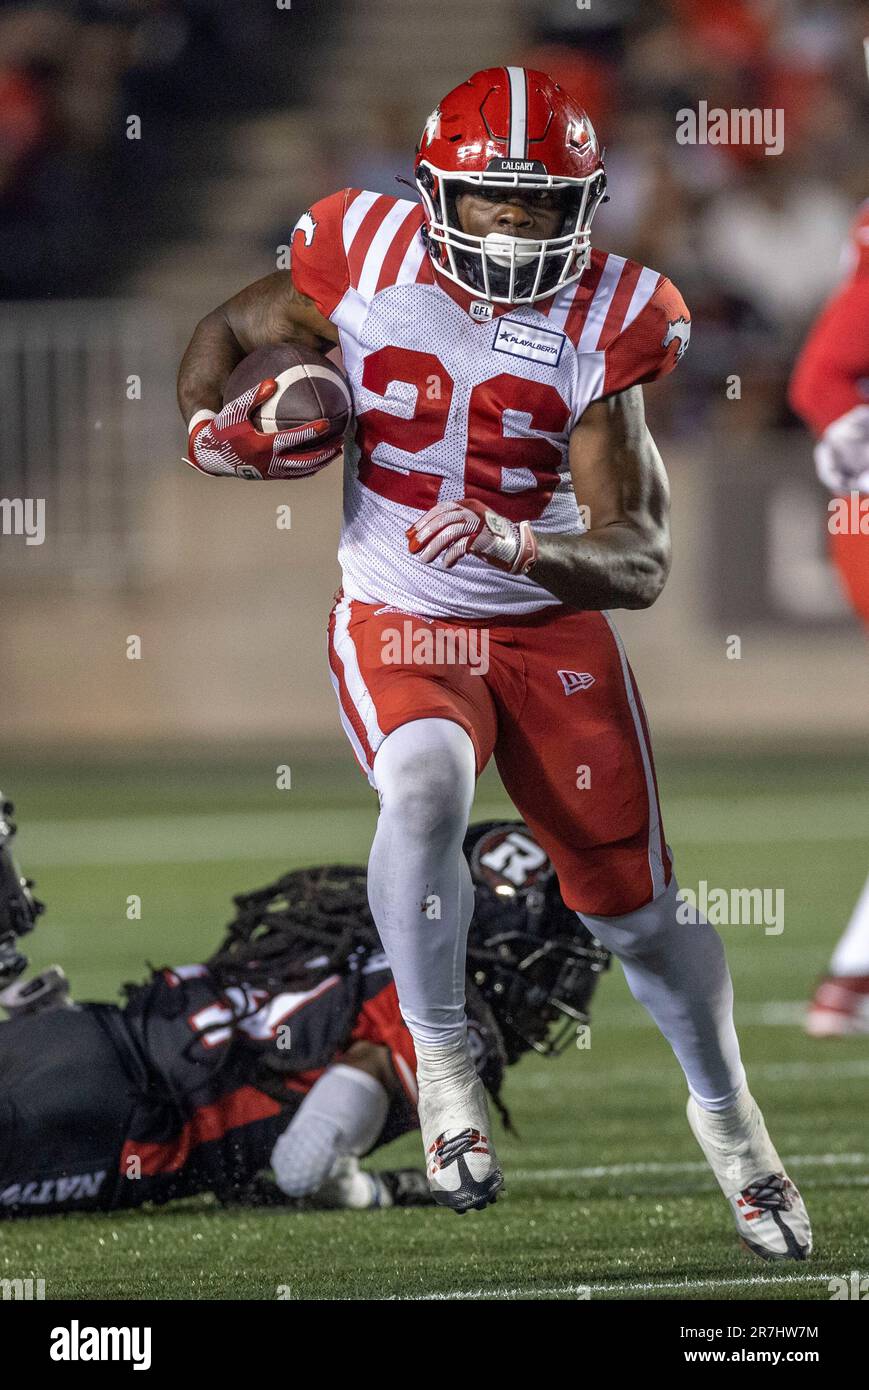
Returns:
(406,251)
(360,241)
(381,242)
(378,234)
(620,303)
(362,223)
(628,312)
(380,248)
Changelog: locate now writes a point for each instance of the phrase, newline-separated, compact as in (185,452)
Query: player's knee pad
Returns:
(425,773)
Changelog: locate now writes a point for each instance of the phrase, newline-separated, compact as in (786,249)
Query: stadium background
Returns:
(157,777)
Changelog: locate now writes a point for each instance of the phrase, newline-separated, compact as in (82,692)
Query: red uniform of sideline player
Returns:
(495,363)
(829,390)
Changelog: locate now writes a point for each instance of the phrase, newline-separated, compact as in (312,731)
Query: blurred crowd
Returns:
(754,241)
(80,195)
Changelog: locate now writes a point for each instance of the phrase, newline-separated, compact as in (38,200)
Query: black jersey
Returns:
(183,1090)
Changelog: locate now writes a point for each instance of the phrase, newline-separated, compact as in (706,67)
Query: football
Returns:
(310,387)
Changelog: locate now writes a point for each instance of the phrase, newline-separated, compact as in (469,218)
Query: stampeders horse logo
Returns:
(575,680)
(307,226)
(678,331)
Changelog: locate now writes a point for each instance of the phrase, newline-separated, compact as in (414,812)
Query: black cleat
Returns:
(452,1182)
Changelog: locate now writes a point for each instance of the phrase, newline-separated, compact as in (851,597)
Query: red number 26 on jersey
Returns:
(488,453)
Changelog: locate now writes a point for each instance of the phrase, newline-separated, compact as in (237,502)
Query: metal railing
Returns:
(87,418)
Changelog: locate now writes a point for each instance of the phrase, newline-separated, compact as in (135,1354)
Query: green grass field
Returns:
(606,1187)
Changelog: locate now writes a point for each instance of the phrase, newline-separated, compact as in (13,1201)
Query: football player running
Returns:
(501,483)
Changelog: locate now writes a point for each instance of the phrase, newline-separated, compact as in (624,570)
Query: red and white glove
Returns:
(450,530)
(229,445)
(842,452)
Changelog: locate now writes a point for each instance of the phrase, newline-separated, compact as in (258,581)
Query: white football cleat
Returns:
(461,1164)
(769,1212)
(839,1007)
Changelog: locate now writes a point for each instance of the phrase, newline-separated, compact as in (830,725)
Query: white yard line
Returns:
(647,1286)
(783,1013)
(854,1068)
(174,839)
(618,1170)
(217,835)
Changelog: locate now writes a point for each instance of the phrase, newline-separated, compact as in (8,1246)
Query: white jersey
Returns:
(454,397)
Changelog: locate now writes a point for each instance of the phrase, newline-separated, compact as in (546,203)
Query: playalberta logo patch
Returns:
(527,340)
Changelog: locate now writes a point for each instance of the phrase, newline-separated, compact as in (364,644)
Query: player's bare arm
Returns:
(269,311)
(224,434)
(623,559)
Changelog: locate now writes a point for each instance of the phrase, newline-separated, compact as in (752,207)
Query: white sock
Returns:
(679,973)
(343,1113)
(419,883)
(444,1062)
(851,956)
(723,1127)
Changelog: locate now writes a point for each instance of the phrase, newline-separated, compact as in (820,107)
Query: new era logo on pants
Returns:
(575,680)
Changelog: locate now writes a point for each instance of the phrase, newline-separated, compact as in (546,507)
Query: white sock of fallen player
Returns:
(342,1115)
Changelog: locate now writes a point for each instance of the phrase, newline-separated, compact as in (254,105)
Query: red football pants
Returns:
(552,696)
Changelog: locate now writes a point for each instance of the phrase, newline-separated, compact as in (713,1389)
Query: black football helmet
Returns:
(529,955)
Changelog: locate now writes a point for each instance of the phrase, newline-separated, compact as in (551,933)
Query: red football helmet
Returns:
(509,128)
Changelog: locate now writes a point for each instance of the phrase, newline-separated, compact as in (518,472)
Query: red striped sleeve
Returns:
(319,262)
(392,261)
(620,303)
(583,297)
(651,343)
(365,234)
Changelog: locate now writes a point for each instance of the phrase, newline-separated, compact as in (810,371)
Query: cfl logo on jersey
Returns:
(575,680)
(526,340)
(481,310)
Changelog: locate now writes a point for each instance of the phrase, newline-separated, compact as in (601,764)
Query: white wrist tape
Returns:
(199,417)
